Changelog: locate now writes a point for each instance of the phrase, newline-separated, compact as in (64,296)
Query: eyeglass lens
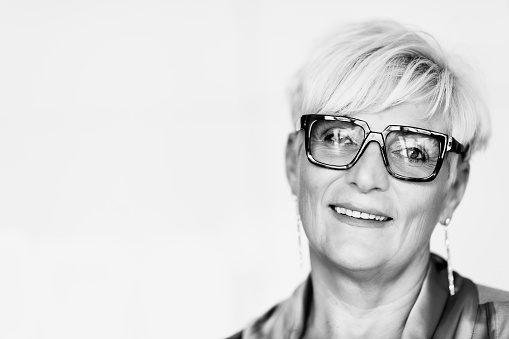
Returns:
(409,154)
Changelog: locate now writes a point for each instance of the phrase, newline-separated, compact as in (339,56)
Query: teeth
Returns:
(359,215)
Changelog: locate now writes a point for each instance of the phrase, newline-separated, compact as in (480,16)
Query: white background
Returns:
(142,185)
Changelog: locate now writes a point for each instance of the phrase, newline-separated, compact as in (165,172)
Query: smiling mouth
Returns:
(359,214)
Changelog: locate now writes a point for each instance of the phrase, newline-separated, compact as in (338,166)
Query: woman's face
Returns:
(413,208)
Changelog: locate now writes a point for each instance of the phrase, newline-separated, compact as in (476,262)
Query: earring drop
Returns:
(449,260)
(299,236)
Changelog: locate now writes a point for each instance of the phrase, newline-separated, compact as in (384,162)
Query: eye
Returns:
(413,154)
(346,140)
(338,136)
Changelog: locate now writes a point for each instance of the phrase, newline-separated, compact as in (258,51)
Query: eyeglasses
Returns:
(408,153)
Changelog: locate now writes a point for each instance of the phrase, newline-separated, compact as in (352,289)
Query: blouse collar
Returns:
(435,313)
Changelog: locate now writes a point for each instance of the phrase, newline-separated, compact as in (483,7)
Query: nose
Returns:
(369,173)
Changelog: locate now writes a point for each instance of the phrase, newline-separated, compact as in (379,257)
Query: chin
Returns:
(356,256)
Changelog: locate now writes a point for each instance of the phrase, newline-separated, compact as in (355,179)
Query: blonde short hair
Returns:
(374,65)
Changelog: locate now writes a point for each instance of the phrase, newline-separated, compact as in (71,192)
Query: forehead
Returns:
(407,114)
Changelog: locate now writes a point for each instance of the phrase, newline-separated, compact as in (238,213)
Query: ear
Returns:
(292,162)
(456,190)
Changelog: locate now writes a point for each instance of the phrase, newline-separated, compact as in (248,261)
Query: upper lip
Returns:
(369,210)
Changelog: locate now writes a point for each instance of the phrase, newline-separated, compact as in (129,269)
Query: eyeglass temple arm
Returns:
(301,123)
(455,146)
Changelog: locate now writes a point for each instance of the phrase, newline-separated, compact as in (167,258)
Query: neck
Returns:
(373,303)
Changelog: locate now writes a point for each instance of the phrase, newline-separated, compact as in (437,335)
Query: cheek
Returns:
(310,192)
(423,207)
(313,183)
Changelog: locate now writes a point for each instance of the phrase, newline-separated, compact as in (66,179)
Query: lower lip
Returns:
(368,223)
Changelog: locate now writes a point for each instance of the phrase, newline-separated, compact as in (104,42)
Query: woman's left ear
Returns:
(456,190)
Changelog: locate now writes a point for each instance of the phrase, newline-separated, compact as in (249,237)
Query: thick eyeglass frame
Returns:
(447,143)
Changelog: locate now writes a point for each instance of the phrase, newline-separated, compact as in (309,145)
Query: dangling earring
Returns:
(299,237)
(449,260)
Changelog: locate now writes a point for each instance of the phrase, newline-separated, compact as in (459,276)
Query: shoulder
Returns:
(286,317)
(489,294)
(492,320)
(236,336)
(493,312)
(260,326)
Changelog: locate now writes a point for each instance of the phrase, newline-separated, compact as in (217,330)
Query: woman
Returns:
(385,130)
